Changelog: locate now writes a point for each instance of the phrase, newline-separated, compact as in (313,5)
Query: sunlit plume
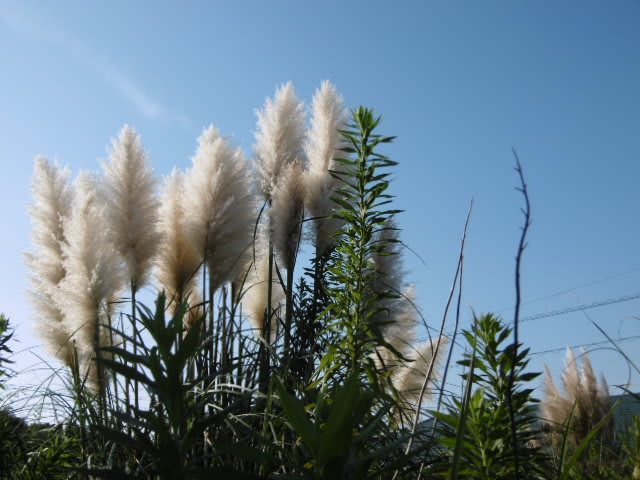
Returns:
(425,362)
(286,214)
(399,333)
(219,206)
(255,294)
(585,400)
(132,205)
(94,274)
(279,138)
(322,145)
(177,260)
(50,208)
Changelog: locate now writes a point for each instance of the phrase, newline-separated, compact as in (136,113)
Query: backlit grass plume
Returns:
(423,360)
(177,260)
(286,214)
(389,278)
(323,144)
(132,206)
(255,298)
(219,205)
(93,270)
(399,334)
(51,207)
(279,137)
(585,400)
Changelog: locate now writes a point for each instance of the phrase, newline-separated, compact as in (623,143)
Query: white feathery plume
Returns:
(323,144)
(400,334)
(279,137)
(588,381)
(51,207)
(256,288)
(94,273)
(604,387)
(594,396)
(388,262)
(583,396)
(177,261)
(409,380)
(132,205)
(286,214)
(389,273)
(571,376)
(219,205)
(555,408)
(52,204)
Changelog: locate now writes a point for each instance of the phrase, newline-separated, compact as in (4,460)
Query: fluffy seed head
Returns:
(388,278)
(255,296)
(571,375)
(409,380)
(588,400)
(177,261)
(219,205)
(51,207)
(132,206)
(322,145)
(52,204)
(279,137)
(286,214)
(555,407)
(400,334)
(92,265)
(388,261)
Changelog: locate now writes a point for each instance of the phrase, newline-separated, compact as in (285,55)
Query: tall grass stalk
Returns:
(131,208)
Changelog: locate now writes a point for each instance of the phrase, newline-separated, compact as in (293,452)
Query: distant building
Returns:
(628,408)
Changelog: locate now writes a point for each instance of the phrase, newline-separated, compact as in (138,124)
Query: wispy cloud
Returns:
(146,105)
(112,75)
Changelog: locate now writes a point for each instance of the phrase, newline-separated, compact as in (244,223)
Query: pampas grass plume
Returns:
(177,261)
(130,189)
(219,205)
(92,265)
(400,333)
(581,389)
(256,288)
(322,146)
(51,207)
(286,214)
(279,137)
(409,380)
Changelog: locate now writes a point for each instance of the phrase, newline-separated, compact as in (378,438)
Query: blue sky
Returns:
(459,83)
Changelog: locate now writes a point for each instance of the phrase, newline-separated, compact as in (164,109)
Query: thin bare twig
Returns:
(442,325)
(516,316)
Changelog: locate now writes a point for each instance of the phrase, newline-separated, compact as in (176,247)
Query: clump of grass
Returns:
(585,401)
(240,370)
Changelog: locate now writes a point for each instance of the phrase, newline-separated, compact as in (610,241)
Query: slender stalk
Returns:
(224,357)
(266,332)
(267,324)
(136,386)
(213,329)
(114,376)
(288,314)
(203,358)
(516,316)
(416,417)
(102,394)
